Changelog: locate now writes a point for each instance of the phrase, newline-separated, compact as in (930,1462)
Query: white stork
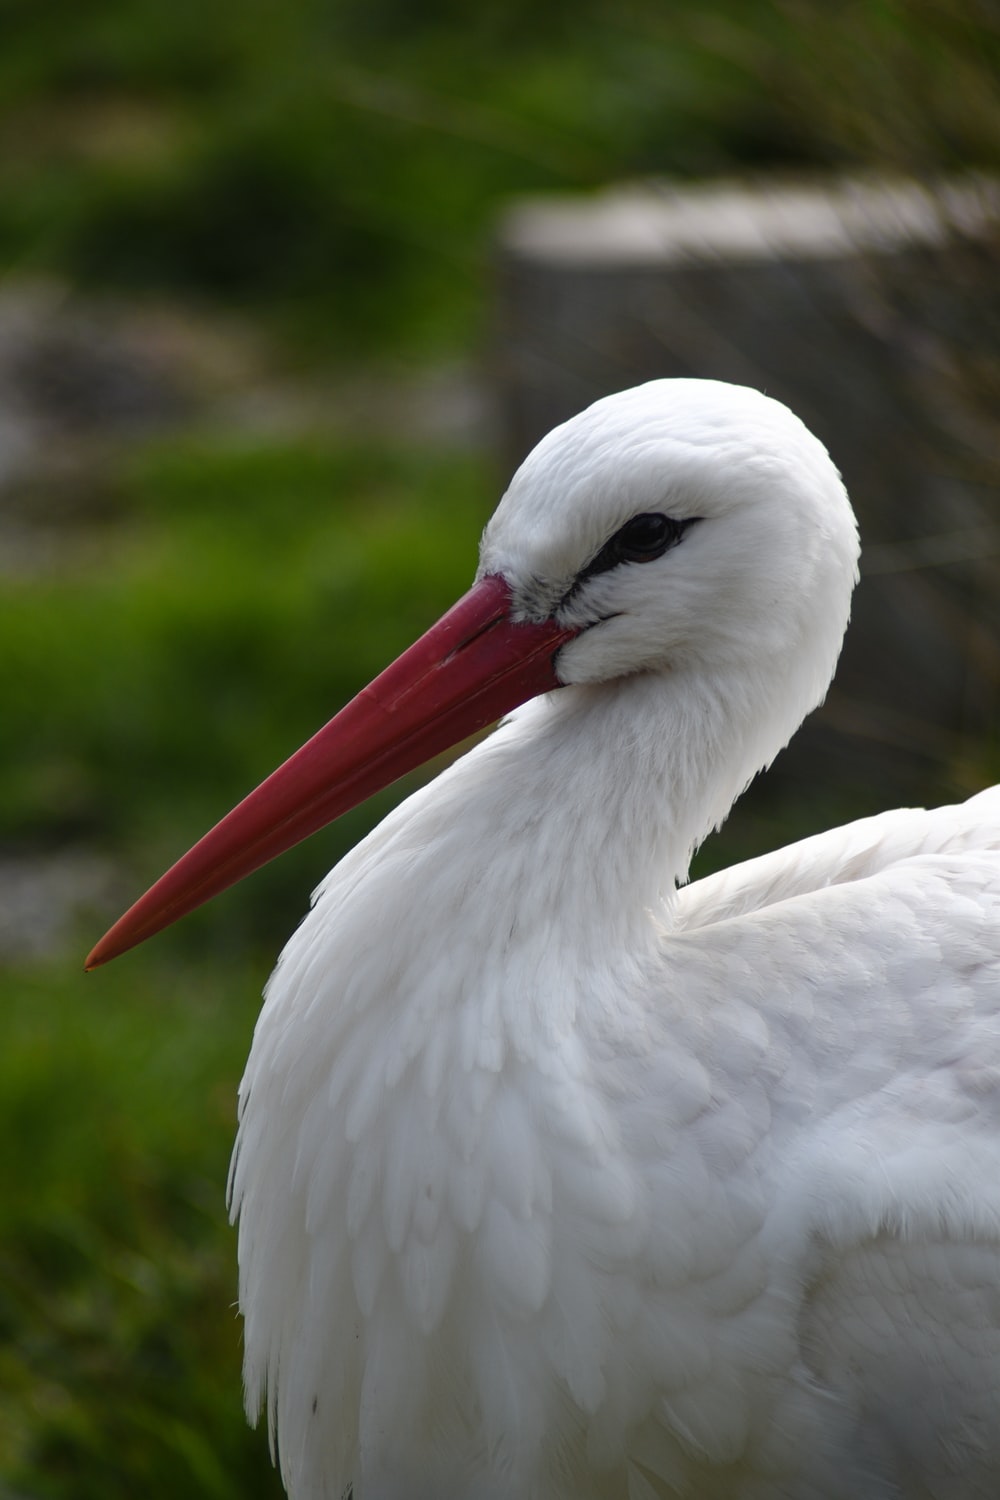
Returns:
(556,1180)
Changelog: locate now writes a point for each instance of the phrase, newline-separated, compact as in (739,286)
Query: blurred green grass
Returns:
(245,592)
(336,164)
(250,591)
(120,1347)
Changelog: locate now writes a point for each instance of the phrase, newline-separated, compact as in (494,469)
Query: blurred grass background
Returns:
(287,209)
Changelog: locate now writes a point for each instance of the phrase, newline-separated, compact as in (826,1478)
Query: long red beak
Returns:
(471,667)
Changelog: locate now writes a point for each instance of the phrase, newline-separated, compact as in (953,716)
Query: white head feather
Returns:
(748,611)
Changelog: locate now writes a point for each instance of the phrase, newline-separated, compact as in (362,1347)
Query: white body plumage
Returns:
(555,1182)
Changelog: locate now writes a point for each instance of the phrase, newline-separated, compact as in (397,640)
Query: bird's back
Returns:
(849,853)
(855,996)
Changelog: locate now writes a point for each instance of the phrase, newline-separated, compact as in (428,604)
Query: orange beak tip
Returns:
(467,671)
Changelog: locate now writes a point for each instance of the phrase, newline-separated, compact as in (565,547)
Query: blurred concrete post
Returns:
(873,310)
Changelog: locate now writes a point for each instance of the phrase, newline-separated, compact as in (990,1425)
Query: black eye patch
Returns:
(643,539)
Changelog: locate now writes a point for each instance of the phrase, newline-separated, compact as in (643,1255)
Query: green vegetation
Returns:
(330,170)
(247,594)
(337,163)
(251,590)
(119,1365)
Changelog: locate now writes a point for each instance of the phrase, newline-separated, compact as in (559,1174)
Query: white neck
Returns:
(600,795)
(539,856)
(581,813)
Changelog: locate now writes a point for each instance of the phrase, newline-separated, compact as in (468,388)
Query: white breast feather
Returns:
(660,1229)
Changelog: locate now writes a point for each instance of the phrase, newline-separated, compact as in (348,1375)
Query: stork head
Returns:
(686,526)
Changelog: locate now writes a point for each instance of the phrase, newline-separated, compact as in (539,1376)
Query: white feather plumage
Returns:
(557,1183)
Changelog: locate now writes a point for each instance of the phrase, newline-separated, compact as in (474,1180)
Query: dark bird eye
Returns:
(646,537)
(640,540)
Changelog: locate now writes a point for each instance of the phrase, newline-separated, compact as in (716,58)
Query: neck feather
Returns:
(580,815)
(541,860)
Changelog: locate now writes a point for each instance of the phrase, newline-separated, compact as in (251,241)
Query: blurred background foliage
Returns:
(288,208)
(337,163)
